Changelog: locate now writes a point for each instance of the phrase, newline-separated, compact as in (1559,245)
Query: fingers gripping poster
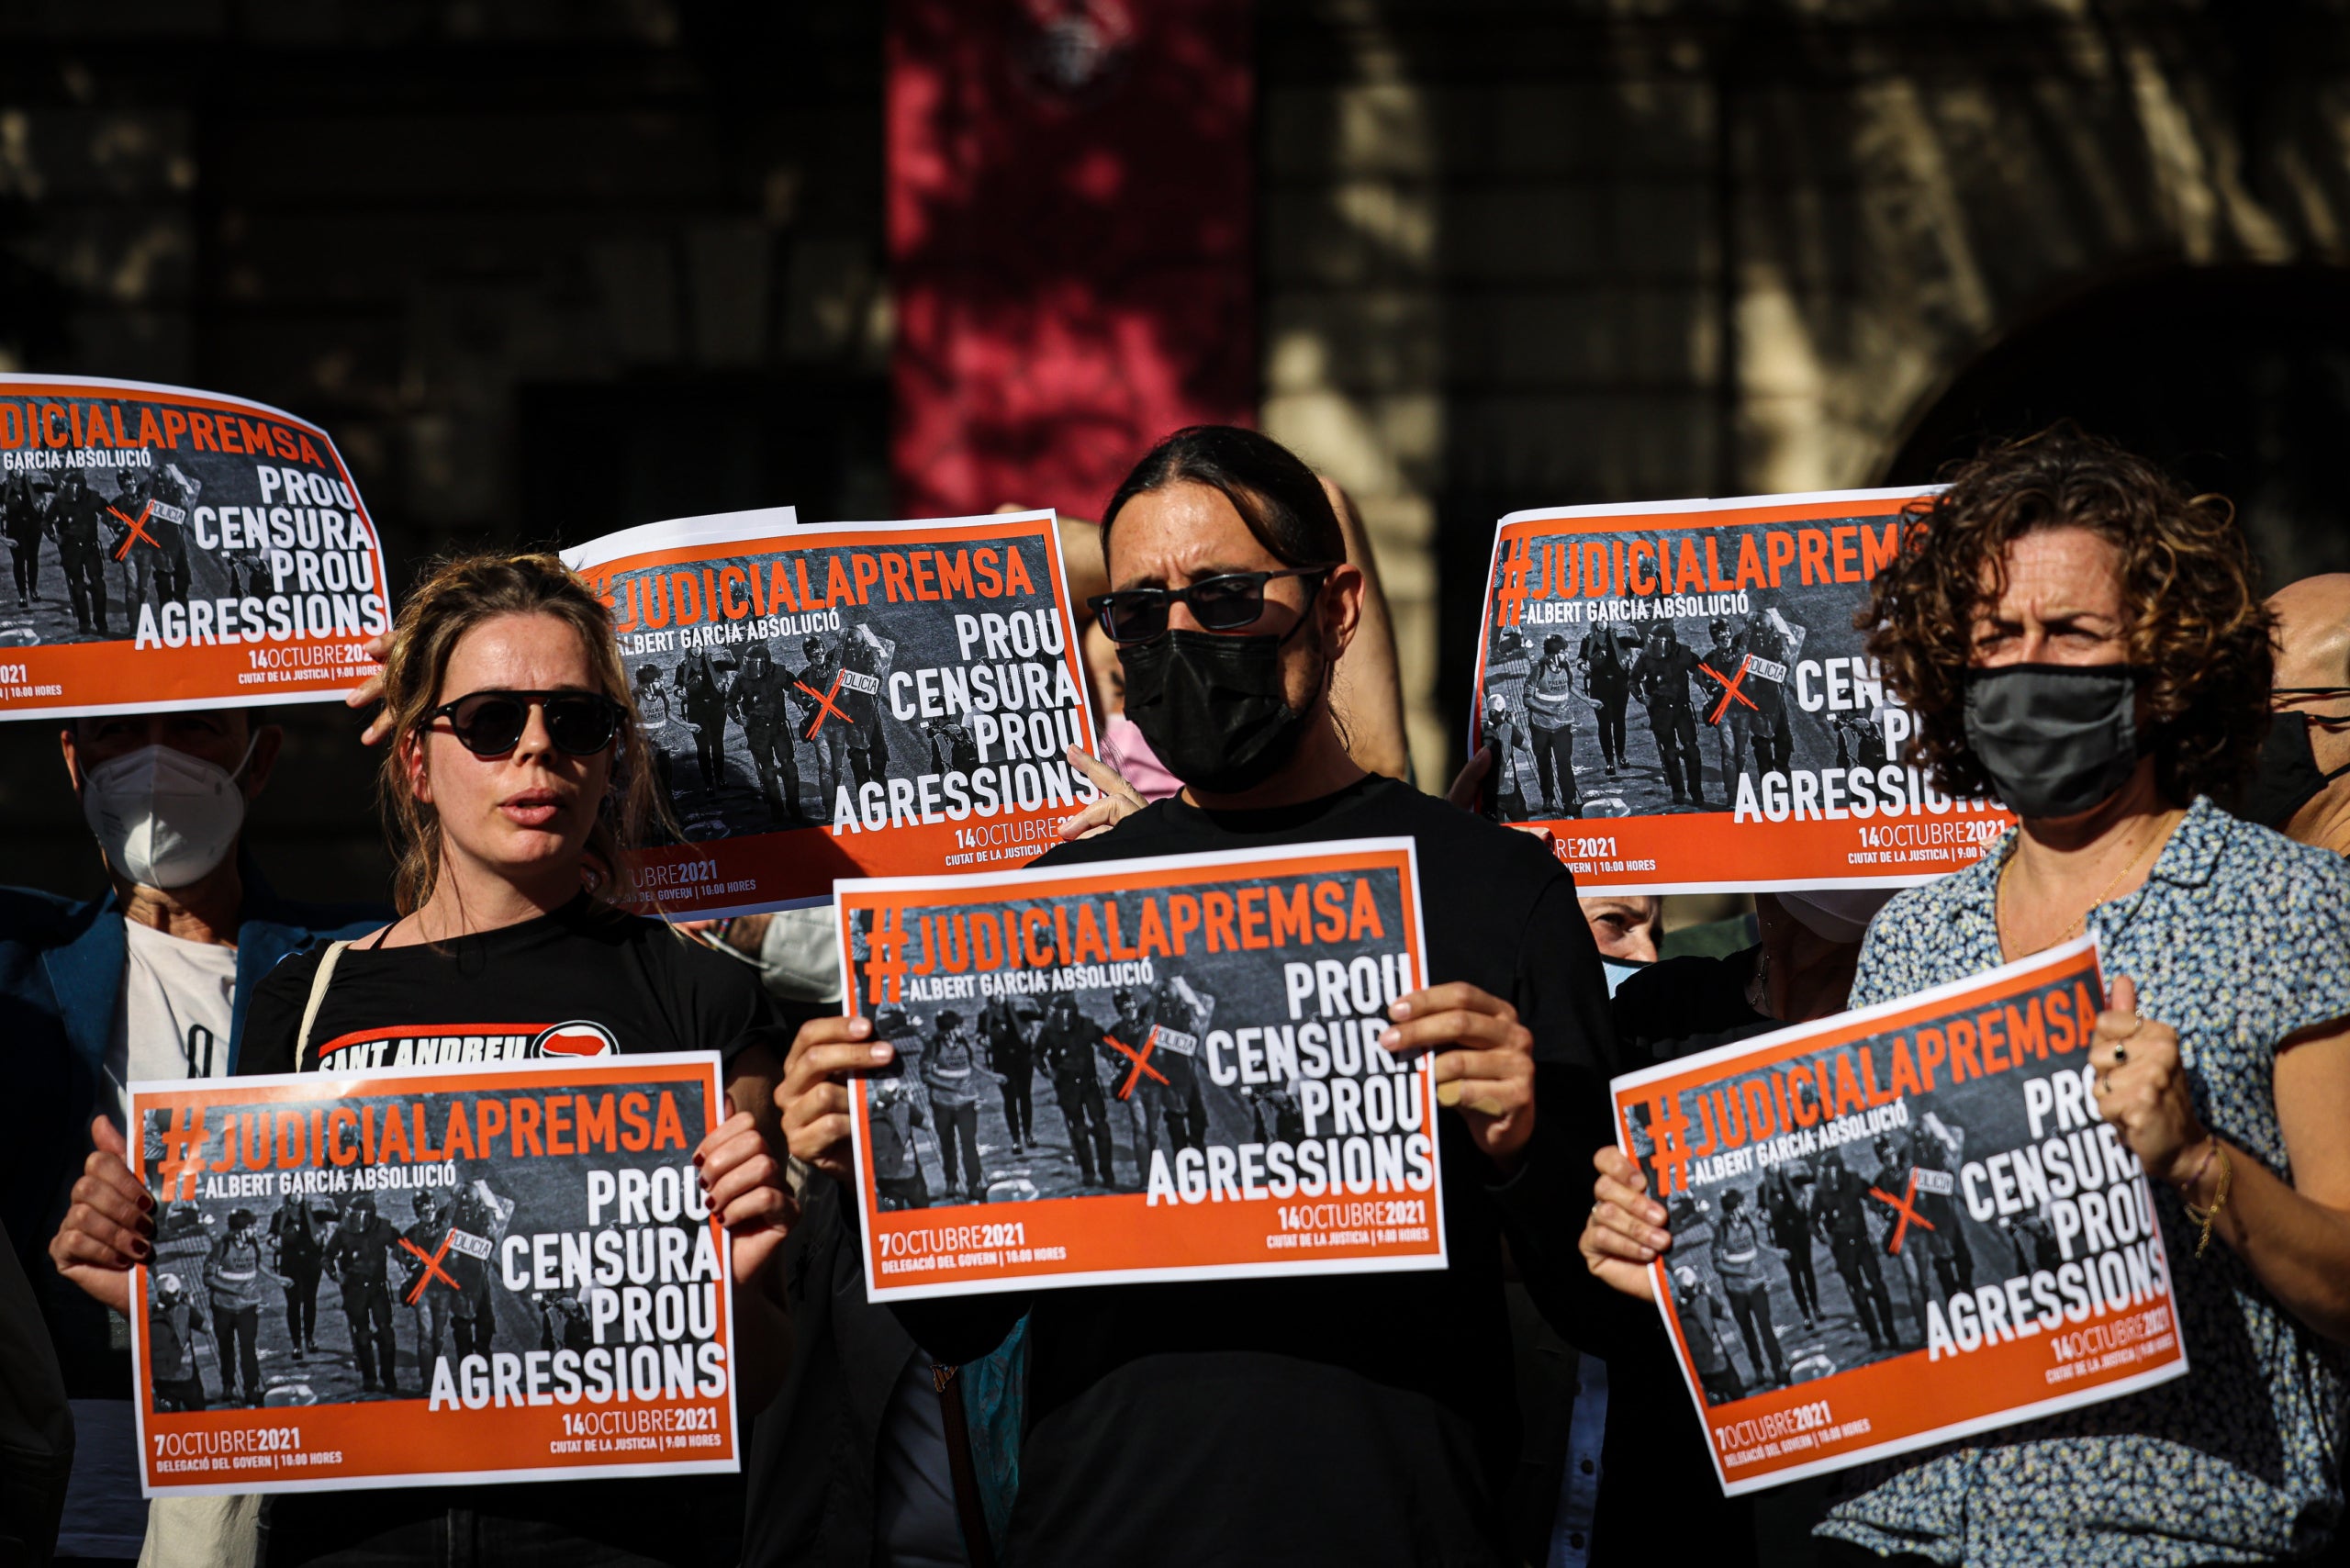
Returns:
(845,698)
(1902,1225)
(446,1275)
(1161,1068)
(1677,693)
(176,549)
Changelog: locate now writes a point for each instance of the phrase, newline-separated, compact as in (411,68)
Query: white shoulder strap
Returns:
(318,996)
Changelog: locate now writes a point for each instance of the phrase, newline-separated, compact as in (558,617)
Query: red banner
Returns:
(1072,240)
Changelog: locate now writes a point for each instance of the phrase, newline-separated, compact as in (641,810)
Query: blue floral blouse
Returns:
(2238,938)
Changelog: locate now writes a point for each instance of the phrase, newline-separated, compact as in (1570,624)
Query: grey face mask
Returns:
(2055,739)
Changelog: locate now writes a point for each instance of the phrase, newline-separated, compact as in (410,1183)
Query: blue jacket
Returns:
(61,968)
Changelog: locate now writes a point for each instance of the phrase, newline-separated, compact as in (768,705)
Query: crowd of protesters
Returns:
(2072,632)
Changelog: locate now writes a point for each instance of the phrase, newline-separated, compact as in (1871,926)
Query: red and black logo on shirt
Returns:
(444,1045)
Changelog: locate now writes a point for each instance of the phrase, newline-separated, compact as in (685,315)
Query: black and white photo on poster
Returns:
(811,678)
(134,513)
(1017,1081)
(417,1241)
(1680,661)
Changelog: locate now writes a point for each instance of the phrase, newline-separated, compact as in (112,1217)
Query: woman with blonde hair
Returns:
(515,784)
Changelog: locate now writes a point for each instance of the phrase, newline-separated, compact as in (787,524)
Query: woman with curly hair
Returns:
(2080,638)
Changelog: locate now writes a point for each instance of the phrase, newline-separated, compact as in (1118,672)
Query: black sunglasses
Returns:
(490,724)
(1225,602)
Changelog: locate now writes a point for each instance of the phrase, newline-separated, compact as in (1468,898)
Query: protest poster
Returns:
(1677,696)
(845,700)
(1902,1225)
(1214,1104)
(521,1280)
(176,549)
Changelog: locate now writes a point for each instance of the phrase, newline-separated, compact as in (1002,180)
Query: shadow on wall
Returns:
(1492,284)
(2237,378)
(33,302)
(601,457)
(1669,254)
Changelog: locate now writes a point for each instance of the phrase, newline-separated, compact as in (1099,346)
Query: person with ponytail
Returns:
(1357,1419)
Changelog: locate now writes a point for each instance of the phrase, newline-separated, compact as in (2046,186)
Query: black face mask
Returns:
(2286,777)
(1211,706)
(2055,739)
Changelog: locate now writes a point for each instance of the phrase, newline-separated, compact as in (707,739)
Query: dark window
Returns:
(2237,378)
(608,455)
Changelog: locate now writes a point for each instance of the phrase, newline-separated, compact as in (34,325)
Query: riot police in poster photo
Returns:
(94,546)
(236,1319)
(1718,702)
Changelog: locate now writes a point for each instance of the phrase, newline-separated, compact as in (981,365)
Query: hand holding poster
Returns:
(1676,691)
(526,1275)
(1993,1250)
(1219,1108)
(177,549)
(845,700)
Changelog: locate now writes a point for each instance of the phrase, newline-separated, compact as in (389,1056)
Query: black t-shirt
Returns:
(581,981)
(1656,1464)
(1365,1418)
(1684,1005)
(585,980)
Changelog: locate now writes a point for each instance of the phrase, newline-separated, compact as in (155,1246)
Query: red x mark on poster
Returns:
(1909,1196)
(824,704)
(433,1269)
(138,526)
(1141,1058)
(1730,684)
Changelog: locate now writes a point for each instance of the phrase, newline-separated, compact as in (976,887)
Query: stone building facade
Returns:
(1535,254)
(546,266)
(543,267)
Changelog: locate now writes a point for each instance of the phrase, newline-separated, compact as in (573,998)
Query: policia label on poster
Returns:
(845,698)
(1214,1104)
(1899,1226)
(176,549)
(520,1280)
(1676,692)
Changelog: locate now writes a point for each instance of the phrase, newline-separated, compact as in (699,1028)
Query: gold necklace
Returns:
(1999,893)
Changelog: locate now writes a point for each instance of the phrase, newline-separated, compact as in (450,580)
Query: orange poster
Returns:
(1677,693)
(845,700)
(176,549)
(520,1281)
(1900,1225)
(1142,1070)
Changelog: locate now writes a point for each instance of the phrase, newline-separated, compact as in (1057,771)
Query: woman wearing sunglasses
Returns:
(514,786)
(1364,1419)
